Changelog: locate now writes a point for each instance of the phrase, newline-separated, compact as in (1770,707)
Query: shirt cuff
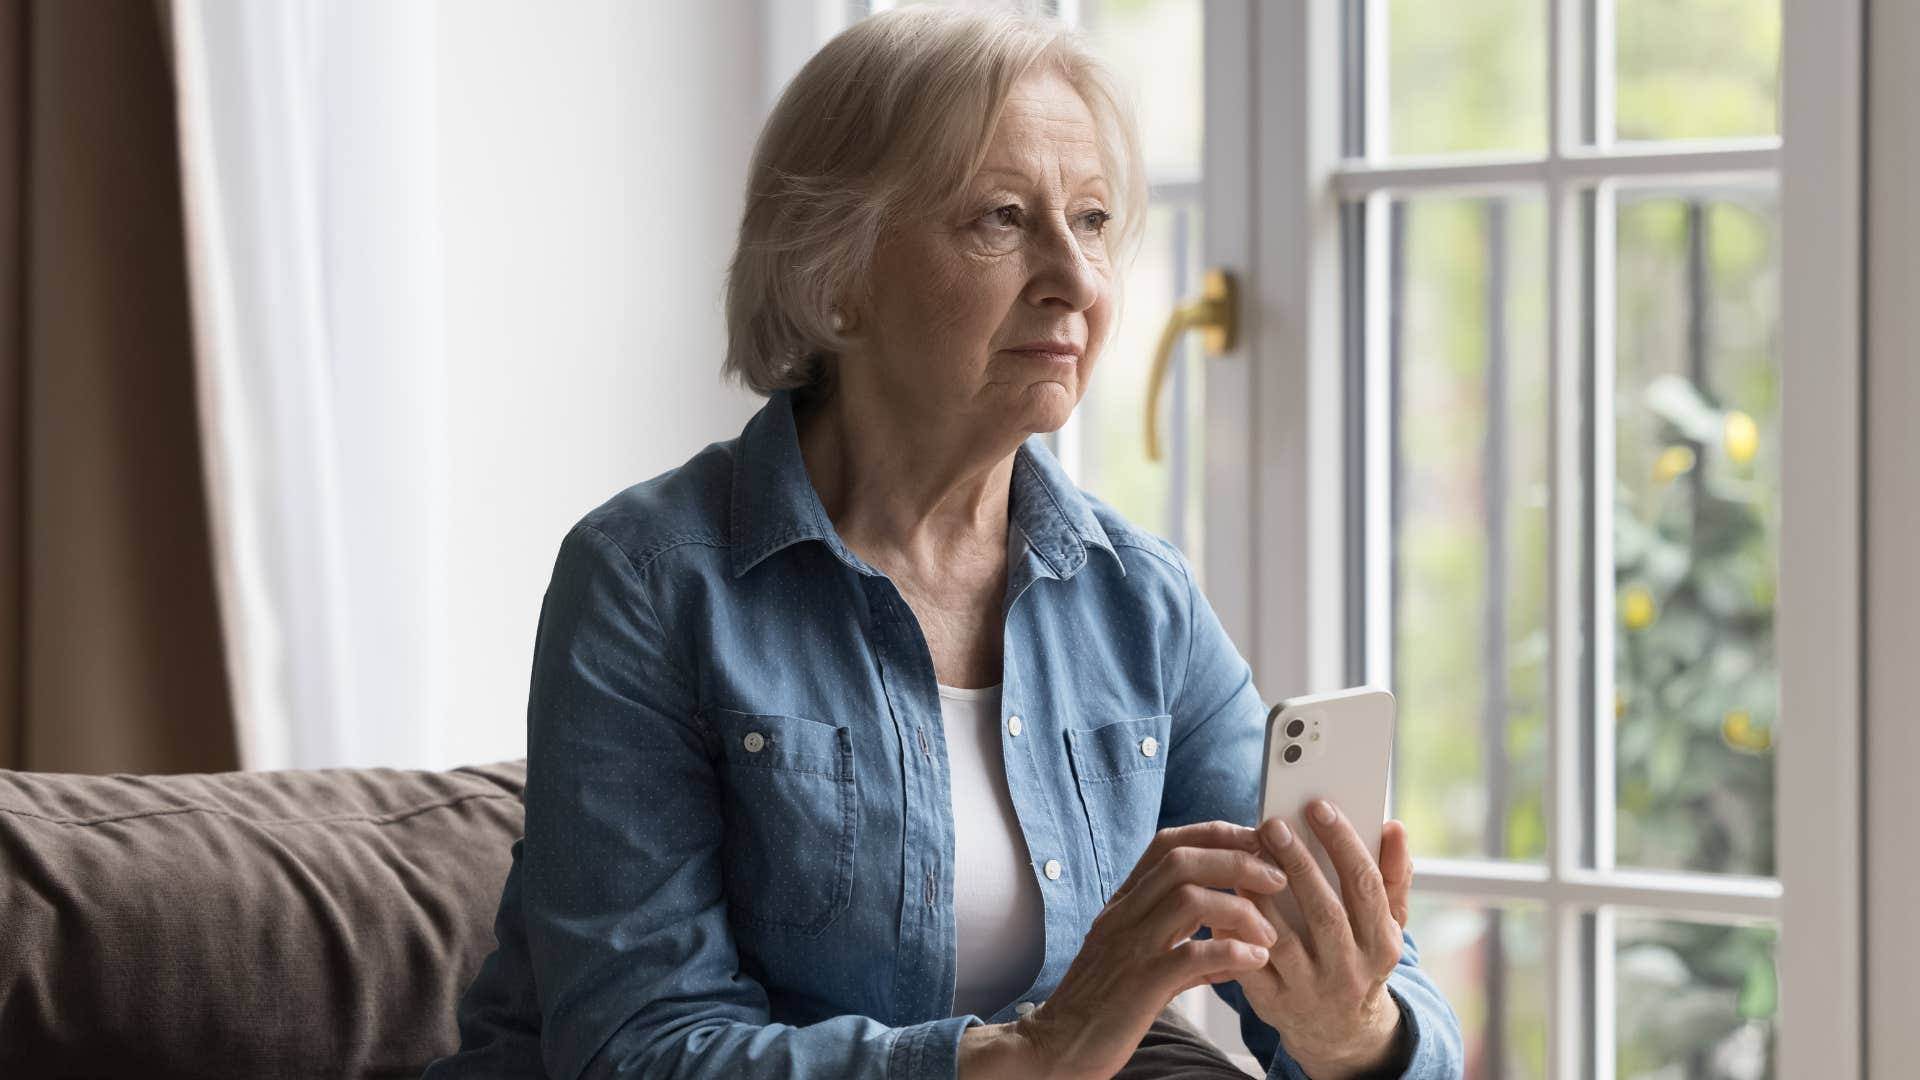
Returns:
(929,1051)
(1426,1058)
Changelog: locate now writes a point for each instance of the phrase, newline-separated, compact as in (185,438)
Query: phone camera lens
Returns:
(1296,727)
(1292,753)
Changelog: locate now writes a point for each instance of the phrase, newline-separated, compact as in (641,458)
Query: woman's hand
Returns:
(1325,991)
(1137,955)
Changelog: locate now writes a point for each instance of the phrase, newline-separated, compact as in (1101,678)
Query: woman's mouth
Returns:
(1046,356)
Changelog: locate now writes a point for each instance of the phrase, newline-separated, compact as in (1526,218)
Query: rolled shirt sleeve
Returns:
(620,885)
(1214,773)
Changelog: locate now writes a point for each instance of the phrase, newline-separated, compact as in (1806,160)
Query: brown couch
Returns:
(269,924)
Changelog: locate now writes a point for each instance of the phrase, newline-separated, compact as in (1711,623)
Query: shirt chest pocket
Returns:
(1120,769)
(791,808)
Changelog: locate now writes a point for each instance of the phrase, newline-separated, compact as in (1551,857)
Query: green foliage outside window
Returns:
(1695,681)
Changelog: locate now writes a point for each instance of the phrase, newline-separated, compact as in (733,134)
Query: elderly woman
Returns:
(865,744)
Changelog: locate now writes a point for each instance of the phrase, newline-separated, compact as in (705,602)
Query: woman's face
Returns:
(994,318)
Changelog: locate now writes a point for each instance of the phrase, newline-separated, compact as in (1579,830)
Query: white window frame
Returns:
(1816,899)
(1891,1010)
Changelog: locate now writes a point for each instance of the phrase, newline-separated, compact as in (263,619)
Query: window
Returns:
(1561,265)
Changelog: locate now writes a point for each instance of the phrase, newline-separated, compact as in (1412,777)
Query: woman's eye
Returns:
(1093,221)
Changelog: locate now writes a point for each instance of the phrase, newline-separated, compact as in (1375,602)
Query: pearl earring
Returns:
(836,320)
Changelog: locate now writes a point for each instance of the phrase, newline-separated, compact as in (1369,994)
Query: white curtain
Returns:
(308,151)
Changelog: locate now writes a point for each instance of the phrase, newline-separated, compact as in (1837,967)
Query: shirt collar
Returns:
(775,506)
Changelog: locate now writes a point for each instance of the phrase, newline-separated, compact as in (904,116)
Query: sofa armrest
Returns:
(265,924)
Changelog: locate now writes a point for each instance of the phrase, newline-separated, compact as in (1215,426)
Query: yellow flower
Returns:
(1672,462)
(1619,704)
(1740,733)
(1742,437)
(1637,608)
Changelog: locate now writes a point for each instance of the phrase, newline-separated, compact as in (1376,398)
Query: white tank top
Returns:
(996,901)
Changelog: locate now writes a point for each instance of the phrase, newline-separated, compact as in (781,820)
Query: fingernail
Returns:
(1279,879)
(1272,934)
(1323,811)
(1286,834)
(1259,954)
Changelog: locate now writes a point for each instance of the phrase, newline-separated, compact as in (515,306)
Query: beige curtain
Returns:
(110,654)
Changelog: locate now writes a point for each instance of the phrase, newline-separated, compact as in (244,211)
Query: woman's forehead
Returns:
(1045,134)
(1044,106)
(1069,171)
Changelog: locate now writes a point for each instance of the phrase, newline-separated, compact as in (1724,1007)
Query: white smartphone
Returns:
(1338,747)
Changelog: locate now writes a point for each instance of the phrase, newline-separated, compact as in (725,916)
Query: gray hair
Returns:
(891,117)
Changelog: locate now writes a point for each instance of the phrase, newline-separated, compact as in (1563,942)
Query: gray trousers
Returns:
(1173,1050)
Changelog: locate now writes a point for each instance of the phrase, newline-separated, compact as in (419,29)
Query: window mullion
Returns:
(1566,607)
(1725,161)
(1381,435)
(1600,497)
(1603,988)
(1494,478)
(1374,30)
(1601,56)
(1567,990)
(1567,969)
(1712,897)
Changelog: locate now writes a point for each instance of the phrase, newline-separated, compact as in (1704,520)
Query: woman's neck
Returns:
(904,486)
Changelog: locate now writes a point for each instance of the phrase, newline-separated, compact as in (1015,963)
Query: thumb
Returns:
(1396,869)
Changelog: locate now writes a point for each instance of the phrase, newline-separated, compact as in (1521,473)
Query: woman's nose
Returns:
(1062,272)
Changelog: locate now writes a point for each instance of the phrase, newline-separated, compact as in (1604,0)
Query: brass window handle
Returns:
(1216,314)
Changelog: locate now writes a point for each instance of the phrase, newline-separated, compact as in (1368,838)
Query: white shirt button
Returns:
(1013,725)
(1024,1007)
(1149,746)
(1052,869)
(754,742)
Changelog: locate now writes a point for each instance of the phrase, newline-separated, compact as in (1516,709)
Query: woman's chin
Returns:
(1047,407)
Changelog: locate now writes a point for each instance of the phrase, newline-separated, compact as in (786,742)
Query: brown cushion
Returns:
(266,924)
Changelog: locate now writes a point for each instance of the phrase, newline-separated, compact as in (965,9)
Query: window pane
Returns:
(1693,1001)
(1696,529)
(1464,77)
(1469,382)
(1155,46)
(1693,69)
(1161,497)
(1490,963)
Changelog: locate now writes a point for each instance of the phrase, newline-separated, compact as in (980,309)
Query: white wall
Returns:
(592,160)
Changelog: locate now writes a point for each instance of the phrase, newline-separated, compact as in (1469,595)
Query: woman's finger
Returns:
(1288,955)
(1210,961)
(1264,982)
(1202,834)
(1210,867)
(1188,907)
(1396,869)
(1363,891)
(1327,927)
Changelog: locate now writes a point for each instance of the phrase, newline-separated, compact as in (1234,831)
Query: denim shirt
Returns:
(739,853)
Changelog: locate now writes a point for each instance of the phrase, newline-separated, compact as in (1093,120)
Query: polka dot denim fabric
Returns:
(738,859)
